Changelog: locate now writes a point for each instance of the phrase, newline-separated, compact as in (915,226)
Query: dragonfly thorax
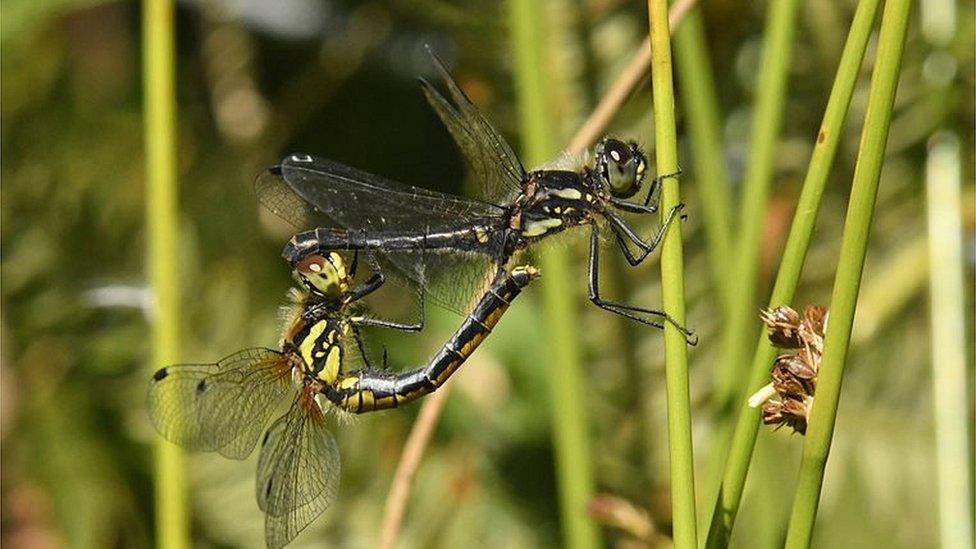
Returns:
(558,200)
(318,345)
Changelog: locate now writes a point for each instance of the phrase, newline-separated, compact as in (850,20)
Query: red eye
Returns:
(311,264)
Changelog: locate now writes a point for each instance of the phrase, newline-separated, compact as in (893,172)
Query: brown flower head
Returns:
(783,324)
(788,398)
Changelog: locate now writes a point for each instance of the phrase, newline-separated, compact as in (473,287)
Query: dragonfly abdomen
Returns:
(480,237)
(367,391)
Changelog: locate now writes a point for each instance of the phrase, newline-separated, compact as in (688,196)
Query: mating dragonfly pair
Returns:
(443,247)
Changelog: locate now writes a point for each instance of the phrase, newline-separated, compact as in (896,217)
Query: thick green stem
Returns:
(766,121)
(825,149)
(569,418)
(672,286)
(172,528)
(843,302)
(697,89)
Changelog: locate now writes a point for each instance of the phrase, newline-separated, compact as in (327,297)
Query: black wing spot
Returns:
(264,441)
(267,489)
(160,374)
(202,386)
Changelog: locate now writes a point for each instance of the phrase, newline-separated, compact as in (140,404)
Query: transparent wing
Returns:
(298,471)
(454,281)
(311,192)
(314,192)
(220,407)
(490,157)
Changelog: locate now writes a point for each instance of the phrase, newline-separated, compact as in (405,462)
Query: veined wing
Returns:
(311,192)
(490,157)
(222,407)
(298,471)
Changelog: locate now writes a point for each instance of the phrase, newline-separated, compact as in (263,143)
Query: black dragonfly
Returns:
(451,246)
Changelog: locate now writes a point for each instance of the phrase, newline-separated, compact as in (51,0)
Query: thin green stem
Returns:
(766,121)
(697,89)
(825,149)
(570,423)
(172,527)
(843,302)
(948,316)
(672,286)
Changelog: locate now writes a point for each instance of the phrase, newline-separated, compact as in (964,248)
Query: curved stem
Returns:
(413,451)
(623,86)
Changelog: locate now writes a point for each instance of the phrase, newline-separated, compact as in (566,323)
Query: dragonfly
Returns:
(451,245)
(225,406)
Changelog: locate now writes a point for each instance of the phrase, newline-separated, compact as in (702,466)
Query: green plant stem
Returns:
(948,317)
(843,302)
(672,286)
(172,528)
(570,422)
(697,89)
(766,121)
(736,468)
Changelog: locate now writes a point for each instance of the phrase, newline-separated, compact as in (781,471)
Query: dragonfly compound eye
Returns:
(322,274)
(621,165)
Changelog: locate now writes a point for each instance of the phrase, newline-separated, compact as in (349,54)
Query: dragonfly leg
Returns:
(622,230)
(633,207)
(354,265)
(373,284)
(358,336)
(400,326)
(654,192)
(632,312)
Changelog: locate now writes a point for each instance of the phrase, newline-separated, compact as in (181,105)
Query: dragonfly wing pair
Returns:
(492,160)
(313,192)
(225,406)
(298,471)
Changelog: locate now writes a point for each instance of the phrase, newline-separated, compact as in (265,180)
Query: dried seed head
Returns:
(772,412)
(812,328)
(797,365)
(786,384)
(790,412)
(815,317)
(783,324)
(794,375)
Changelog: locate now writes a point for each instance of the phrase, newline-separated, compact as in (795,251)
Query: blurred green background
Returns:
(256,80)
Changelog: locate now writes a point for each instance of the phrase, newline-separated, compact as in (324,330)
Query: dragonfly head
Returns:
(621,165)
(325,275)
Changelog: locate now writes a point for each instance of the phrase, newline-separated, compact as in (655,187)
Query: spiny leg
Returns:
(622,229)
(358,336)
(623,309)
(656,184)
(370,286)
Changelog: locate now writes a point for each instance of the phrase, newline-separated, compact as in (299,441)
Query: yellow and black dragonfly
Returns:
(225,406)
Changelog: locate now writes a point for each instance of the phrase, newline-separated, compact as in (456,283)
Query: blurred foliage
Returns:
(337,78)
